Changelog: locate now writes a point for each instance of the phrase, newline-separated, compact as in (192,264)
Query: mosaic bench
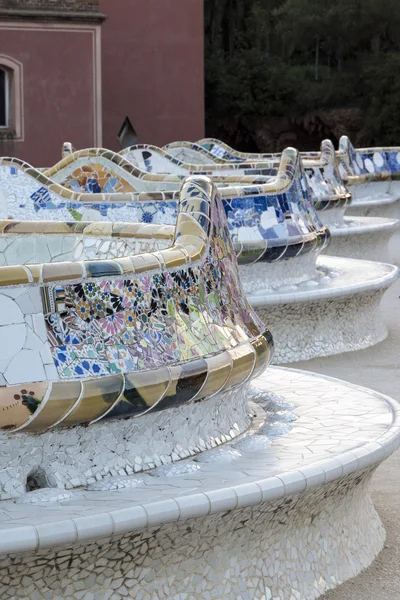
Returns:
(98,340)
(330,196)
(135,456)
(100,170)
(281,229)
(269,222)
(364,237)
(281,511)
(372,175)
(277,237)
(361,237)
(354,238)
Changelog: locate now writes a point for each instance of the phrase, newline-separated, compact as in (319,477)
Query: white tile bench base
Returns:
(332,216)
(376,199)
(342,315)
(284,523)
(375,208)
(120,447)
(367,238)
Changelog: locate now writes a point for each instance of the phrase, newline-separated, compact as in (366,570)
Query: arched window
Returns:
(11,98)
(4,97)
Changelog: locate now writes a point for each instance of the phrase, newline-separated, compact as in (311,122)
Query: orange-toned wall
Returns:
(153,69)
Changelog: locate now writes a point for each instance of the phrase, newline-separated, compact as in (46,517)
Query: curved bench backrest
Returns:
(27,193)
(278,213)
(276,220)
(96,170)
(105,339)
(32,242)
(321,169)
(157,160)
(365,164)
(324,178)
(190,152)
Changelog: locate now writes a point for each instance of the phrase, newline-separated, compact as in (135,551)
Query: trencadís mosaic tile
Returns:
(166,311)
(270,221)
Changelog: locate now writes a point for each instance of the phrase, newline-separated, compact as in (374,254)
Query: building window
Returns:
(11,99)
(4,96)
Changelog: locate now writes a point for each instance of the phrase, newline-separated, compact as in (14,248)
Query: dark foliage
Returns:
(294,71)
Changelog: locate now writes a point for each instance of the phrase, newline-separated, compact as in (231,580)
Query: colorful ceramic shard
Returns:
(277,236)
(130,430)
(108,339)
(372,175)
(365,238)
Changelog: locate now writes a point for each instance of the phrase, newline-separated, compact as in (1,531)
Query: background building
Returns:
(72,70)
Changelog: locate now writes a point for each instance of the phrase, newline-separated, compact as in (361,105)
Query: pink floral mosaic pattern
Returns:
(115,325)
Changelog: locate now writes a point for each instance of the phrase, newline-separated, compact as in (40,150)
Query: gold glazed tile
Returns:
(62,270)
(244,359)
(219,370)
(145,262)
(36,272)
(187,225)
(13,275)
(262,348)
(98,396)
(63,396)
(187,379)
(19,402)
(174,258)
(125,264)
(194,246)
(144,389)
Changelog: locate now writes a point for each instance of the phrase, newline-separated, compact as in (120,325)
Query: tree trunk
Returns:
(317,60)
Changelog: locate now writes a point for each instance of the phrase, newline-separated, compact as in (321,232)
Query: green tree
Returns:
(288,61)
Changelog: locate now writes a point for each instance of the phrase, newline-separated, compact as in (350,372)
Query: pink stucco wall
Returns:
(58,87)
(145,61)
(153,69)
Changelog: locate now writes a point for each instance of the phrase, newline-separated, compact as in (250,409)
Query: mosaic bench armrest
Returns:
(363,165)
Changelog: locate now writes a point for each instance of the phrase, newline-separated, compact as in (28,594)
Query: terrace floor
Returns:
(377,368)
